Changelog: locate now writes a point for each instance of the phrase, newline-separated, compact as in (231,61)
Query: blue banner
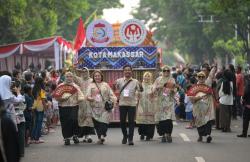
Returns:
(117,57)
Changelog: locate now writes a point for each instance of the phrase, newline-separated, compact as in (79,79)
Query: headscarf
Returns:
(85,74)
(151,77)
(66,80)
(5,83)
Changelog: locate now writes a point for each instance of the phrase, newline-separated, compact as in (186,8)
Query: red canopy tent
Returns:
(54,49)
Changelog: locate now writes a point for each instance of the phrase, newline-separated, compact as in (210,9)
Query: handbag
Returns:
(109,105)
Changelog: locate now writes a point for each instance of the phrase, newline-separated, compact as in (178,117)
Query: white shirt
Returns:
(224,98)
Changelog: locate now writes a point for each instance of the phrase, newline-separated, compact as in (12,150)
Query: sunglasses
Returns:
(165,70)
(201,76)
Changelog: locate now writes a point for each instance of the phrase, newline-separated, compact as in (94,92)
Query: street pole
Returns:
(235,31)
(248,29)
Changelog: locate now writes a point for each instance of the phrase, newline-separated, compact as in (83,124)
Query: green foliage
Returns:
(22,20)
(231,46)
(177,23)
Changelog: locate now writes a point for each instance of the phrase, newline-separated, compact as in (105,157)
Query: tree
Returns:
(233,13)
(177,23)
(22,20)
(232,48)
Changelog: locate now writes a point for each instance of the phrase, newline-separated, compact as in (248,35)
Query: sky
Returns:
(115,15)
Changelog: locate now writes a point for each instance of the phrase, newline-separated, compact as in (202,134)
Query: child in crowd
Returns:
(55,118)
(49,112)
(189,110)
(29,100)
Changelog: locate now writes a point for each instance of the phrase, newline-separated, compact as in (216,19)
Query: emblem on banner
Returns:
(99,33)
(133,32)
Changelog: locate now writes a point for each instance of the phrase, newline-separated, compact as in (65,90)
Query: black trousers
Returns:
(101,128)
(165,127)
(205,129)
(246,119)
(146,130)
(130,112)
(234,110)
(69,122)
(239,106)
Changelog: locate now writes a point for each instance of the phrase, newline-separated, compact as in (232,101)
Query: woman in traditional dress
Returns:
(85,122)
(68,109)
(164,87)
(97,94)
(203,107)
(146,109)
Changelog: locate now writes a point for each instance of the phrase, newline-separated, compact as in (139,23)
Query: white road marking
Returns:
(184,137)
(174,123)
(200,159)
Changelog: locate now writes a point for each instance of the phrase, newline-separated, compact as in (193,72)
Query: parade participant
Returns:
(146,108)
(164,87)
(85,122)
(203,106)
(246,104)
(68,95)
(97,94)
(128,89)
(226,101)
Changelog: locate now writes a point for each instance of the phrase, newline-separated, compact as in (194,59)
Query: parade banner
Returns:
(117,57)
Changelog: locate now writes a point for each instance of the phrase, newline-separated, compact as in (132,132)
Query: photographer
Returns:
(8,98)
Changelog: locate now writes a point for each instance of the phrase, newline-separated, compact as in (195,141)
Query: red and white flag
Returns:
(80,39)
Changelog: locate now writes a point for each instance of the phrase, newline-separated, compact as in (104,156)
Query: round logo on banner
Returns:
(99,33)
(133,32)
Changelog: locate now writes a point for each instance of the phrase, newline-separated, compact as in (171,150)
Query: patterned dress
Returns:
(85,121)
(165,101)
(98,111)
(146,111)
(204,110)
(101,117)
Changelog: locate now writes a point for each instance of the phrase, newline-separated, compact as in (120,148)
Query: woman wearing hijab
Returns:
(8,98)
(85,122)
(68,103)
(164,87)
(226,101)
(203,107)
(97,94)
(146,109)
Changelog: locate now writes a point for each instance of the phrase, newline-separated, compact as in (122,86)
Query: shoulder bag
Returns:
(109,105)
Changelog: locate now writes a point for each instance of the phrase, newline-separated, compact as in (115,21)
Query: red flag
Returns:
(80,36)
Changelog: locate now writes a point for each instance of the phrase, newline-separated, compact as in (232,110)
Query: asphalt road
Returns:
(225,147)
